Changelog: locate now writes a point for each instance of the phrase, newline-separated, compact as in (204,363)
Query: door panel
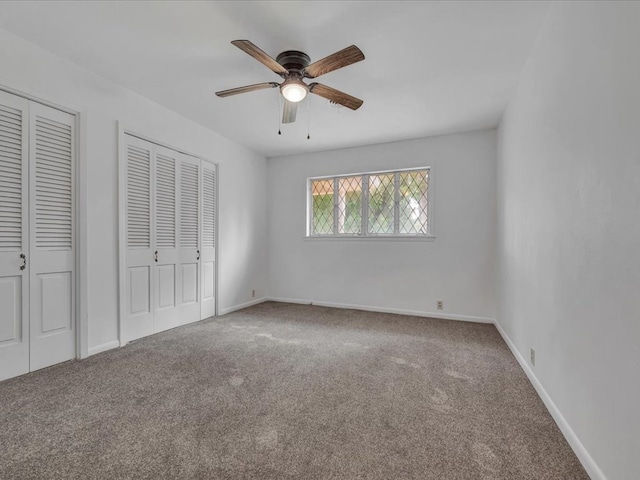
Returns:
(166,286)
(139,239)
(189,283)
(208,251)
(56,292)
(189,229)
(208,284)
(139,280)
(10,310)
(52,278)
(14,229)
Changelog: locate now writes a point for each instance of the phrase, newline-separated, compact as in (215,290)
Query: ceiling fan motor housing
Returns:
(293,60)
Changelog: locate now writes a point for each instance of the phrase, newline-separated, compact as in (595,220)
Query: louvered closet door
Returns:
(52,299)
(165,278)
(208,246)
(189,239)
(14,306)
(139,240)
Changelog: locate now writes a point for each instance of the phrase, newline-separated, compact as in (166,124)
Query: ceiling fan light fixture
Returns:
(294,90)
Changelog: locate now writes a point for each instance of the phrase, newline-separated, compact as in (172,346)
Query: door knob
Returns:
(24,261)
(198,252)
(155,256)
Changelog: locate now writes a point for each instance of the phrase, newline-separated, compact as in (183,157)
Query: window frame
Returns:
(364,234)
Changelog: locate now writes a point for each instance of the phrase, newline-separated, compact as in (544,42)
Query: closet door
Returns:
(208,247)
(189,243)
(14,276)
(165,283)
(139,240)
(52,285)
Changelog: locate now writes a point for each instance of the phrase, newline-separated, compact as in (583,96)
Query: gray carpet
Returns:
(281,391)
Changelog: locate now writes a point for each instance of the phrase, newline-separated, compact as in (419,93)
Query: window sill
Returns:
(367,238)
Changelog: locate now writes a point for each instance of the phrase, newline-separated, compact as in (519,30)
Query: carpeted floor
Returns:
(281,391)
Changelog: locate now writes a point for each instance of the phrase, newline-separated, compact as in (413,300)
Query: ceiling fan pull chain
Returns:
(279,117)
(309,117)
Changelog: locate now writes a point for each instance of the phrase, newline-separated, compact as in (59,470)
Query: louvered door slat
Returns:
(189,205)
(10,140)
(11,178)
(11,115)
(55,175)
(10,150)
(55,129)
(53,185)
(60,143)
(10,187)
(11,118)
(138,197)
(7,158)
(208,208)
(55,146)
(165,207)
(7,166)
(53,155)
(59,161)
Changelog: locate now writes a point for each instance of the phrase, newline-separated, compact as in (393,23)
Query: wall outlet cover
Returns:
(533,356)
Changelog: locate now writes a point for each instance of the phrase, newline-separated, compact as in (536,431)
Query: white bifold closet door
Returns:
(139,291)
(189,295)
(164,239)
(52,235)
(37,274)
(208,248)
(166,254)
(14,236)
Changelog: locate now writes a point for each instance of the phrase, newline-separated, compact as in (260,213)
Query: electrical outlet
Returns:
(253,294)
(533,356)
(440,305)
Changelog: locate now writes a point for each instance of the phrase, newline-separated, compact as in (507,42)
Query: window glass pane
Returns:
(322,204)
(350,205)
(381,203)
(413,202)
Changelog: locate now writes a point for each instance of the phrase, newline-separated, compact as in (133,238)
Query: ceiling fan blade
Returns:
(335,96)
(343,58)
(247,47)
(289,112)
(247,88)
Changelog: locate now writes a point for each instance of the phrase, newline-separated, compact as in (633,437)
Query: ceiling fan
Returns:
(293,66)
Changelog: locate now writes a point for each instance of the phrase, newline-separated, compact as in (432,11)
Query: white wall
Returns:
(457,267)
(569,229)
(242,195)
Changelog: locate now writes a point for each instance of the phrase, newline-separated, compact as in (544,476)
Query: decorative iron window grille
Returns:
(375,204)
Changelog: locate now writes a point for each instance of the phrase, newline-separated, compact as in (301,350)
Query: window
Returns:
(371,205)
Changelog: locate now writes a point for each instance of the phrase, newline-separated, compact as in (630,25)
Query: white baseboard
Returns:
(581,452)
(103,348)
(224,311)
(415,313)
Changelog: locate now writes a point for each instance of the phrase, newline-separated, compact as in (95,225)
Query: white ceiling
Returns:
(430,68)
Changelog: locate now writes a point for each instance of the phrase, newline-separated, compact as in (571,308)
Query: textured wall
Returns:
(457,267)
(568,230)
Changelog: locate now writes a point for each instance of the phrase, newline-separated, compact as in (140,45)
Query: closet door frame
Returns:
(81,318)
(123,131)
